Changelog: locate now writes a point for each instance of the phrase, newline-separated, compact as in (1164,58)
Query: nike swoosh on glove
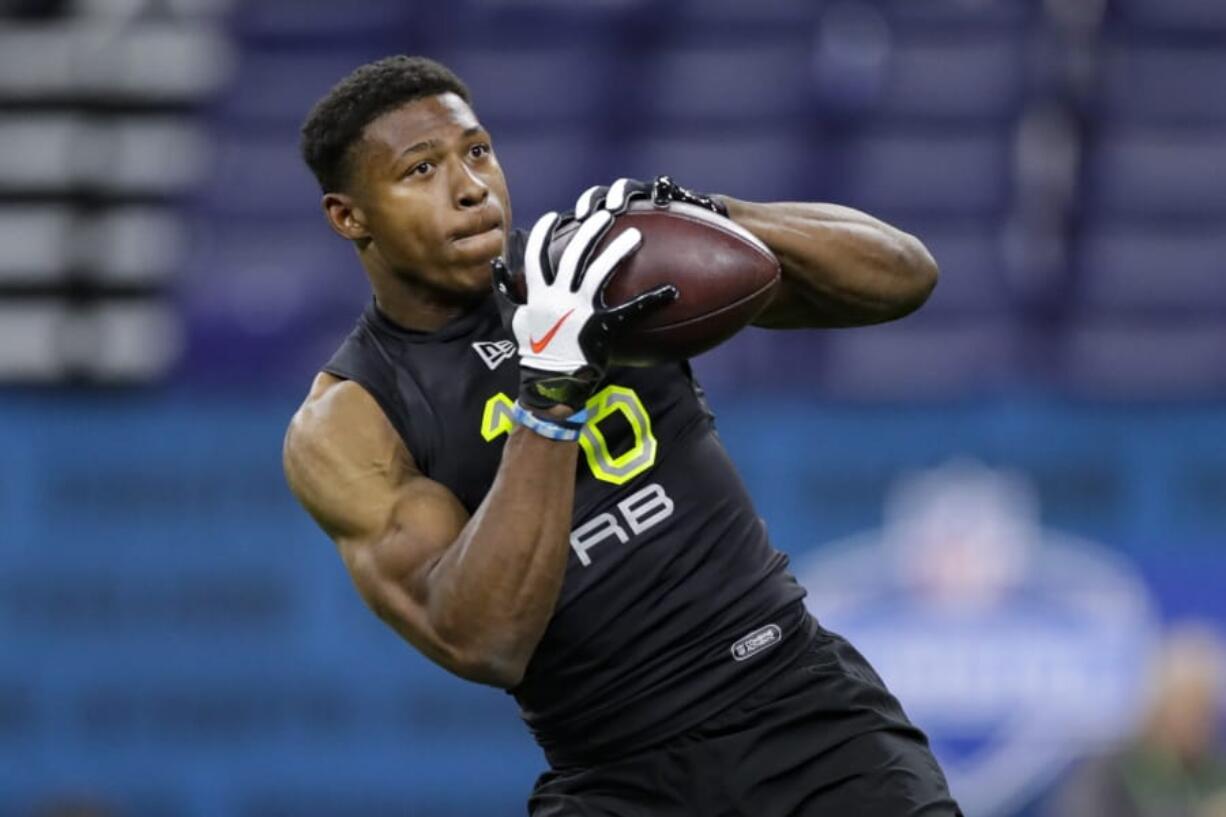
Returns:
(562,327)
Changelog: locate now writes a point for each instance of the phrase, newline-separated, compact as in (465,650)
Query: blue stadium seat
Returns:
(304,250)
(547,169)
(1163,83)
(969,256)
(755,357)
(329,22)
(972,78)
(261,174)
(1184,15)
(906,360)
(1134,270)
(534,24)
(281,87)
(538,87)
(950,172)
(1128,358)
(271,275)
(1159,172)
(733,85)
(257,278)
(948,14)
(790,13)
(760,166)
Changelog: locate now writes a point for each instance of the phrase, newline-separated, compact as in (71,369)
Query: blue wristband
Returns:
(565,429)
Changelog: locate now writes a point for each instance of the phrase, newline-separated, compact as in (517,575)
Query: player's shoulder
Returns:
(333,406)
(338,432)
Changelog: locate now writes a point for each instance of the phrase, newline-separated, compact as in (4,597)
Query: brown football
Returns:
(724,274)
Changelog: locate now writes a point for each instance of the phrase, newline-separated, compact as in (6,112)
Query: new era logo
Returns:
(493,352)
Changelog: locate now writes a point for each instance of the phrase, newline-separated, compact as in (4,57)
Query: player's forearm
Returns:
(492,593)
(840,267)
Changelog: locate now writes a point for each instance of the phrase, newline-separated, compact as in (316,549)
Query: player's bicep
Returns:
(349,469)
(391,568)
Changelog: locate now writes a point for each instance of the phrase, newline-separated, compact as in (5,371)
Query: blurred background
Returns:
(1014,500)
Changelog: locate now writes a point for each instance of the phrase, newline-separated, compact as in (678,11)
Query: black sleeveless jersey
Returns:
(674,603)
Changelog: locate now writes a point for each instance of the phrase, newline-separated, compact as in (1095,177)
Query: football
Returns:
(724,275)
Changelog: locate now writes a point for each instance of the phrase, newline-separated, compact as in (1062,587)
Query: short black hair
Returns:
(336,121)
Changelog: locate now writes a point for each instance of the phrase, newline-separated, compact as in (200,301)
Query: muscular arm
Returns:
(841,267)
(474,594)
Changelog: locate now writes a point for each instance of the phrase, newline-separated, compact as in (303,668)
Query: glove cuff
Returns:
(664,190)
(563,429)
(540,390)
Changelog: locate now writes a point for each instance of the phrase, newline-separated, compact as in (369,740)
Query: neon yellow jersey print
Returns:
(497,419)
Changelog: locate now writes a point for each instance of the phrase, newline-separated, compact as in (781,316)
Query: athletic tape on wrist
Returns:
(564,429)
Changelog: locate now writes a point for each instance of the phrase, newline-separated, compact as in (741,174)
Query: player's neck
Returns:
(411,307)
(408,300)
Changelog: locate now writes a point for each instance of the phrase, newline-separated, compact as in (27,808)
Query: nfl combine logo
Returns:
(1015,647)
(494,352)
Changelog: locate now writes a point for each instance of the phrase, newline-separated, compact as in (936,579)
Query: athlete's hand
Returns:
(662,191)
(562,330)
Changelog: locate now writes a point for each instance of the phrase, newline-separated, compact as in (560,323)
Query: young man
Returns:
(574,532)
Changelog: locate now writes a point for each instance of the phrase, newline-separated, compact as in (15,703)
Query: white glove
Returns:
(562,328)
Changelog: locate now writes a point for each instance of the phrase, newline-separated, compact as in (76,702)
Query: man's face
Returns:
(433,195)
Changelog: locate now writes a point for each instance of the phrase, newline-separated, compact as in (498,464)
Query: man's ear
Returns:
(345,217)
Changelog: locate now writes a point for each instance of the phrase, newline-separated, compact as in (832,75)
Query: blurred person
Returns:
(1173,768)
(658,648)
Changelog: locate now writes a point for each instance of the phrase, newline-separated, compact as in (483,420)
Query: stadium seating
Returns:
(1048,177)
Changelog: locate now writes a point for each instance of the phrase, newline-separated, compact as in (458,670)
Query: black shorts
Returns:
(824,738)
